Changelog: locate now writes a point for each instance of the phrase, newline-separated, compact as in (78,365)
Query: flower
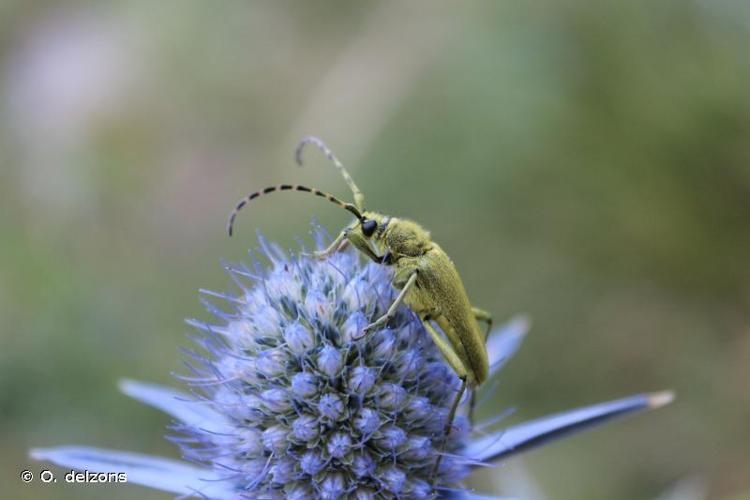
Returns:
(288,401)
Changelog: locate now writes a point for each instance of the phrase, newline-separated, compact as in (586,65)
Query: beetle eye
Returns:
(368,227)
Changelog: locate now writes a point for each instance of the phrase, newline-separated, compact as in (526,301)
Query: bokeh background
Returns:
(584,163)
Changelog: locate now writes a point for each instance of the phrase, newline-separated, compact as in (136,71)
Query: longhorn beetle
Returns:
(426,277)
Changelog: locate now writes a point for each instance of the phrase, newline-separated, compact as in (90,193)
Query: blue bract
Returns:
(284,403)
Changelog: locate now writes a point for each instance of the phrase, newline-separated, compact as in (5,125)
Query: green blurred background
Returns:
(584,163)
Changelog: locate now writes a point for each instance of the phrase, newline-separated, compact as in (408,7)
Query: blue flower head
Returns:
(289,401)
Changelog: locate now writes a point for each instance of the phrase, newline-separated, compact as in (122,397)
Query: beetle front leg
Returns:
(338,244)
(363,245)
(394,306)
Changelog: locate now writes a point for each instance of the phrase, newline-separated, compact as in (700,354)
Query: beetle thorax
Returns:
(405,237)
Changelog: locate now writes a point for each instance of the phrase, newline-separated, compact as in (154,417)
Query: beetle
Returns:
(427,280)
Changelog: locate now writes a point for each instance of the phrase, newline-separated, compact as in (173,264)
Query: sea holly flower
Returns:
(288,401)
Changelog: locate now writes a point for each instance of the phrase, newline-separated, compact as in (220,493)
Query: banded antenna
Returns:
(359,198)
(289,187)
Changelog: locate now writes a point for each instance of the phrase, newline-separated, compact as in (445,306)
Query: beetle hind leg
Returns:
(486,317)
(482,315)
(336,246)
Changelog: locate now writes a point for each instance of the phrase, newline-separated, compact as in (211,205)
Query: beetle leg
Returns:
(338,244)
(482,315)
(479,315)
(394,306)
(363,245)
(452,336)
(453,359)
(446,349)
(448,428)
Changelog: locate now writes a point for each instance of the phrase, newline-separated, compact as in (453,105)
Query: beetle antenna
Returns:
(359,198)
(289,187)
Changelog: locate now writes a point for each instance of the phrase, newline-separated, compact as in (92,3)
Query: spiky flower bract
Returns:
(289,400)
